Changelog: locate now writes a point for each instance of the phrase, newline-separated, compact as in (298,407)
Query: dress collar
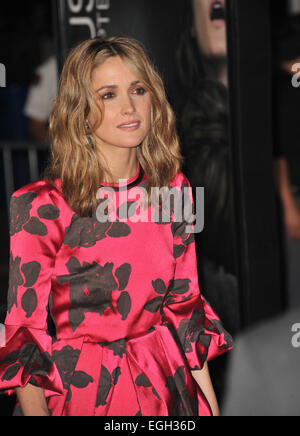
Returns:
(129,183)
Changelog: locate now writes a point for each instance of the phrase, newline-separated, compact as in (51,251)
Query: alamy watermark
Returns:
(2,336)
(296,336)
(2,76)
(176,206)
(296,76)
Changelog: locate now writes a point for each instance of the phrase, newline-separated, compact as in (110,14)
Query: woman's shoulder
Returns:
(180,180)
(39,209)
(42,192)
(39,187)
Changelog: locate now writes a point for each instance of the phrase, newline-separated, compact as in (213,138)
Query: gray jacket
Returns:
(264,375)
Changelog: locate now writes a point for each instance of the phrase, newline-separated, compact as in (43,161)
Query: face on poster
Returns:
(210,27)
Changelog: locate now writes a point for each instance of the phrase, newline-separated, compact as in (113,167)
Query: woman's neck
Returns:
(122,164)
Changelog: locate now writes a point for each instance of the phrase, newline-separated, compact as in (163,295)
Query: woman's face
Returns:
(126,119)
(210,26)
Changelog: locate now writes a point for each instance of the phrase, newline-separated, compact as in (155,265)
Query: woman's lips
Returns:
(217,13)
(130,127)
(218,24)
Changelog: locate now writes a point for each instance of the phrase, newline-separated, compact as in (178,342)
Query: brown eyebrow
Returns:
(116,86)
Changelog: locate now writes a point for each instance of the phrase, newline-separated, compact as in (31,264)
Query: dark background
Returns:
(27,38)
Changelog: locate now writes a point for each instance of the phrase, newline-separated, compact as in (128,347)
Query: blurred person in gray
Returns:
(264,372)
(40,99)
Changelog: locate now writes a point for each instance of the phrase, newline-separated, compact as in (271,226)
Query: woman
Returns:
(204,133)
(130,325)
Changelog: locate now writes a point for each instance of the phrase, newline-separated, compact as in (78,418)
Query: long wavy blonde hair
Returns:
(74,156)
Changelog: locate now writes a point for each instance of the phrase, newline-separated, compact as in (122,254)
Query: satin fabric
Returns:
(130,321)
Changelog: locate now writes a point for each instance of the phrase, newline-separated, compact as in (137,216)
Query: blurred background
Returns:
(231,74)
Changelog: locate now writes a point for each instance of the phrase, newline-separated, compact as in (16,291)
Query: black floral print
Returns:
(48,212)
(20,208)
(91,287)
(142,380)
(66,361)
(86,232)
(29,302)
(128,319)
(118,347)
(30,359)
(107,381)
(20,211)
(15,280)
(35,227)
(31,271)
(178,388)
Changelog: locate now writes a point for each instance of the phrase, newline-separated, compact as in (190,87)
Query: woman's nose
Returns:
(128,106)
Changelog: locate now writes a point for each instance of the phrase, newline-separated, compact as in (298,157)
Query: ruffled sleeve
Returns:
(36,235)
(188,315)
(27,359)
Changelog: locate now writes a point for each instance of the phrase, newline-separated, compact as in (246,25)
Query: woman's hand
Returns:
(204,381)
(32,401)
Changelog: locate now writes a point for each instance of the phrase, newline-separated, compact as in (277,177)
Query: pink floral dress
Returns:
(130,322)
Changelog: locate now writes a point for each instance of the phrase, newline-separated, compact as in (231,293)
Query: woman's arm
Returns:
(33,401)
(33,250)
(204,381)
